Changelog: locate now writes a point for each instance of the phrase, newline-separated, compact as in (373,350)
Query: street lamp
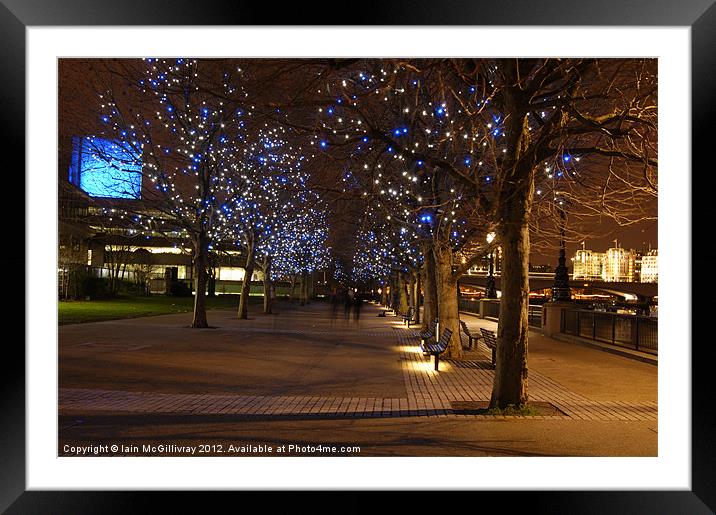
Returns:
(490,290)
(560,289)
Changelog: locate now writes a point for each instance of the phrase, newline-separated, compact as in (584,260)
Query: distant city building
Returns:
(620,265)
(589,265)
(615,265)
(637,267)
(650,267)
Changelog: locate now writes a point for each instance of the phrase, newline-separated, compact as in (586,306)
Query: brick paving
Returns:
(429,393)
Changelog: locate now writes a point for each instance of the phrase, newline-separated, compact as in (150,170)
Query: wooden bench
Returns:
(471,336)
(435,349)
(408,317)
(429,333)
(491,341)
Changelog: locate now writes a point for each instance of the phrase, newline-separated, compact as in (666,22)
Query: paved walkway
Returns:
(355,349)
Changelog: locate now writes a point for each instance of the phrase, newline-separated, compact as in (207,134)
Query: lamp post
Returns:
(560,289)
(490,290)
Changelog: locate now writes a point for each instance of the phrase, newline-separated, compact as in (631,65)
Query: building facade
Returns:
(589,265)
(615,265)
(620,265)
(650,267)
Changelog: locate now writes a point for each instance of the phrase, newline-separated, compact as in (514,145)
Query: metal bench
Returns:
(384,311)
(491,341)
(435,349)
(408,317)
(471,336)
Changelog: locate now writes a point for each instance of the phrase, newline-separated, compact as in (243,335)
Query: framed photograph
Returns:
(298,175)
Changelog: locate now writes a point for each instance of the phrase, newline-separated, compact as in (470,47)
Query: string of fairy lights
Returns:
(215,171)
(400,132)
(220,172)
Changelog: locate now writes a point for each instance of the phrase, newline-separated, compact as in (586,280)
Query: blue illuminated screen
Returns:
(105,168)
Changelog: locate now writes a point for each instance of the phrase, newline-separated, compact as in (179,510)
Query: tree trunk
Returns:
(394,291)
(304,288)
(246,284)
(293,288)
(212,282)
(403,301)
(510,386)
(447,298)
(200,261)
(124,273)
(416,296)
(112,275)
(266,269)
(309,287)
(514,204)
(430,299)
(411,291)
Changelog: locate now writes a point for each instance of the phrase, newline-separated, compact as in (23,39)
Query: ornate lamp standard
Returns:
(490,290)
(560,289)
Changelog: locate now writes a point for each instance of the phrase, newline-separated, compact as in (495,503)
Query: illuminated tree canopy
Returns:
(412,161)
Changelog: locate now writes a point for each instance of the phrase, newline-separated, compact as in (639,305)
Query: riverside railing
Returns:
(636,332)
(491,309)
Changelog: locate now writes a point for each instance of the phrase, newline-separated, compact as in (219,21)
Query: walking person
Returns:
(357,304)
(347,303)
(334,304)
(333,299)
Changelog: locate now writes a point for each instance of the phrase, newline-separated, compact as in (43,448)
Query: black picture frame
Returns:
(699,15)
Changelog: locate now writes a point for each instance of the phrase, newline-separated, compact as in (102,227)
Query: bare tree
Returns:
(505,130)
(165,118)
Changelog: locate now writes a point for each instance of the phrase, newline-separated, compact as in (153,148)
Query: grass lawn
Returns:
(79,311)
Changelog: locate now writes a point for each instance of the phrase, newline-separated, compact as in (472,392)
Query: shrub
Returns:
(132,288)
(179,289)
(521,410)
(96,288)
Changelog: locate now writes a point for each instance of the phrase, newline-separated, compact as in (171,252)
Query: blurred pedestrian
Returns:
(357,304)
(334,304)
(347,303)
